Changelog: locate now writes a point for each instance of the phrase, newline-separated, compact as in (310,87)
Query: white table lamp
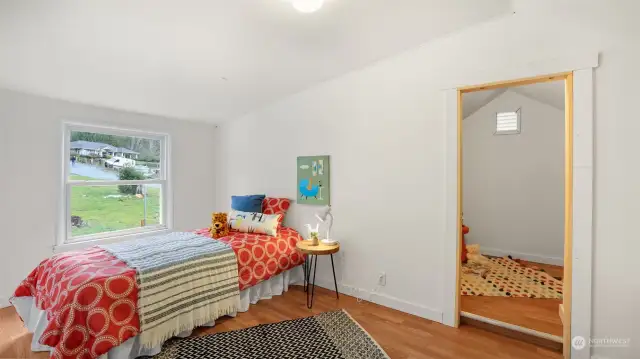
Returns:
(324,215)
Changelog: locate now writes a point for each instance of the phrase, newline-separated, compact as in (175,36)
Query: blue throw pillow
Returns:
(252,203)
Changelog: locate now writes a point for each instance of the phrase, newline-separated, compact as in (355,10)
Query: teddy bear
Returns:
(473,254)
(219,227)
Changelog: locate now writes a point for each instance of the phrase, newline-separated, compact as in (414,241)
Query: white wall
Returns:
(513,185)
(383,127)
(5,289)
(31,166)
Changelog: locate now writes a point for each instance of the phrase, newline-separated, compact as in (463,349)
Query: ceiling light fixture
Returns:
(307,6)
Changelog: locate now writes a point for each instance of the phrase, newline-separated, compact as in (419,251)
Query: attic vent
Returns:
(508,123)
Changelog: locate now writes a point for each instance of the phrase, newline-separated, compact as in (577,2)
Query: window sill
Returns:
(80,244)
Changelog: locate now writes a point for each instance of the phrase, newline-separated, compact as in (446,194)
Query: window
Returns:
(115,183)
(508,123)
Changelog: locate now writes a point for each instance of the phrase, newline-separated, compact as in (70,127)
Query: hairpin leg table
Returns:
(312,253)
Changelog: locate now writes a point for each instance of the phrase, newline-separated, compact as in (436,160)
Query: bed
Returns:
(84,303)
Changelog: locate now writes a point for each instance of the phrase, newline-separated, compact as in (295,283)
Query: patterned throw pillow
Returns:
(272,205)
(254,222)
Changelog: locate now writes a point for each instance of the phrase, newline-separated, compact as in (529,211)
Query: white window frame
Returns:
(65,236)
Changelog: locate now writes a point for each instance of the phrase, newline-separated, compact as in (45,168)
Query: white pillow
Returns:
(253,222)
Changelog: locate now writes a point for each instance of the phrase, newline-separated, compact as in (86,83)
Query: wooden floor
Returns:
(533,313)
(401,335)
(537,314)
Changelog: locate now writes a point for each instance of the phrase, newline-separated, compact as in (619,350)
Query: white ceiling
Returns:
(550,93)
(208,59)
(473,101)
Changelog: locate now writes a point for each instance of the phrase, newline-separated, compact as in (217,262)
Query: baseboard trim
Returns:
(4,302)
(385,300)
(558,261)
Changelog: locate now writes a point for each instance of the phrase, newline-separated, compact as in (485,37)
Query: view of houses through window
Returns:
(114,183)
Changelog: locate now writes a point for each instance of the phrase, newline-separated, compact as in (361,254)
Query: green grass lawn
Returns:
(105,209)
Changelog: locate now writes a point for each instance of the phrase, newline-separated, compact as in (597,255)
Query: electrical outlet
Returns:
(382,279)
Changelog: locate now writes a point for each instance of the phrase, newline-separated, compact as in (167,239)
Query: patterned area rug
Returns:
(327,335)
(507,278)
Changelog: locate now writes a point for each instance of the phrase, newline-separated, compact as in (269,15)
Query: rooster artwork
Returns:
(313,180)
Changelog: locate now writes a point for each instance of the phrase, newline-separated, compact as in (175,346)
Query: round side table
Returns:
(312,253)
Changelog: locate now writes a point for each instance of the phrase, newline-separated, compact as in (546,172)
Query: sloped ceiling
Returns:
(208,59)
(473,101)
(549,93)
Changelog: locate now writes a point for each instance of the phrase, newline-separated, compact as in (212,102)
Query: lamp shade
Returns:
(323,213)
(325,216)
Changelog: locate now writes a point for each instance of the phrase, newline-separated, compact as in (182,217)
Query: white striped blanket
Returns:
(184,281)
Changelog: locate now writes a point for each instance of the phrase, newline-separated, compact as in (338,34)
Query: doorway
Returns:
(513,204)
(564,310)
(577,323)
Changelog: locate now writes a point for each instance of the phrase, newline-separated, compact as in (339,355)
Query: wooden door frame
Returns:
(578,195)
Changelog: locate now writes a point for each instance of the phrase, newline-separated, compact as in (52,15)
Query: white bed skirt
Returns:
(36,320)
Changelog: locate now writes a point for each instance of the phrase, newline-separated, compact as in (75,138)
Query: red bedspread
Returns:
(260,256)
(91,297)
